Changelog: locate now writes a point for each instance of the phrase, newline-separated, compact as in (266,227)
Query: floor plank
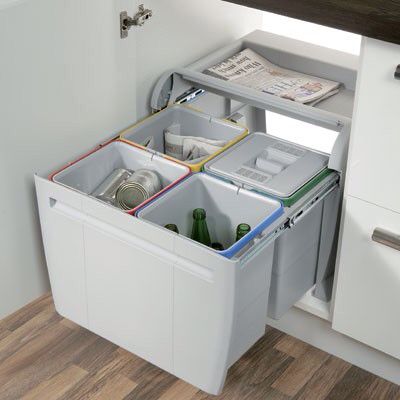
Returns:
(55,387)
(300,371)
(33,367)
(70,324)
(96,356)
(382,390)
(252,376)
(44,356)
(117,388)
(357,384)
(31,329)
(291,346)
(28,354)
(152,385)
(179,390)
(96,382)
(4,333)
(324,380)
(26,313)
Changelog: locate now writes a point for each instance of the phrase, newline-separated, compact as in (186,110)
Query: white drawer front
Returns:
(129,294)
(375,144)
(368,288)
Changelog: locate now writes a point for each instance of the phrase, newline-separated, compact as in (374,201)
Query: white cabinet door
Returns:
(368,285)
(67,82)
(373,170)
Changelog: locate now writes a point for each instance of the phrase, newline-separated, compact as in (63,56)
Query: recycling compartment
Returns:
(191,123)
(88,172)
(225,205)
(288,172)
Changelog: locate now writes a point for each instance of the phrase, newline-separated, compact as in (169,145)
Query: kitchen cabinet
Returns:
(368,280)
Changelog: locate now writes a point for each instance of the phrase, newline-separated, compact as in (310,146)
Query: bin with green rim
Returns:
(271,166)
(288,172)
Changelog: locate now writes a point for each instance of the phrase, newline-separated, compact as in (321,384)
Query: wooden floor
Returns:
(45,357)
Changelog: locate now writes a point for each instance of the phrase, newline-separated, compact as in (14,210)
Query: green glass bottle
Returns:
(217,246)
(172,227)
(200,231)
(242,230)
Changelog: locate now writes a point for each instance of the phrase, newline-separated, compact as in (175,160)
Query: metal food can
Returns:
(139,187)
(108,188)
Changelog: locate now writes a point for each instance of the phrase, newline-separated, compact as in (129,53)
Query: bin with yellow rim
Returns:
(187,128)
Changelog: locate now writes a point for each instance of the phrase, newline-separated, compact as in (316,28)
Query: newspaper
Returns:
(252,70)
(191,149)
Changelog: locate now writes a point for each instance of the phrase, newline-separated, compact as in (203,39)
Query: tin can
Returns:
(139,187)
(108,188)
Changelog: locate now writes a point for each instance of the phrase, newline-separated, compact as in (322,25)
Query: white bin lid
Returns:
(269,165)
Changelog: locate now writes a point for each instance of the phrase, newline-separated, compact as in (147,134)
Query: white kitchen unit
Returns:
(194,312)
(368,280)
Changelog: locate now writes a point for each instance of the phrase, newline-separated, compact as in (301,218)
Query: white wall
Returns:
(182,31)
(66,81)
(288,128)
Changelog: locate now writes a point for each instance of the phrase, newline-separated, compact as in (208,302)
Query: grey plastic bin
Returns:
(88,171)
(226,208)
(296,255)
(192,122)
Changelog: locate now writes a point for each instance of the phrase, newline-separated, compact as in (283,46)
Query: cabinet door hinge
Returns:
(126,22)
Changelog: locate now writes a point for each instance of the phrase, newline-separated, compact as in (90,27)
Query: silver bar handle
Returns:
(386,238)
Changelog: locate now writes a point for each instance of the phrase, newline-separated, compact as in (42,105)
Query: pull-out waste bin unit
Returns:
(182,306)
